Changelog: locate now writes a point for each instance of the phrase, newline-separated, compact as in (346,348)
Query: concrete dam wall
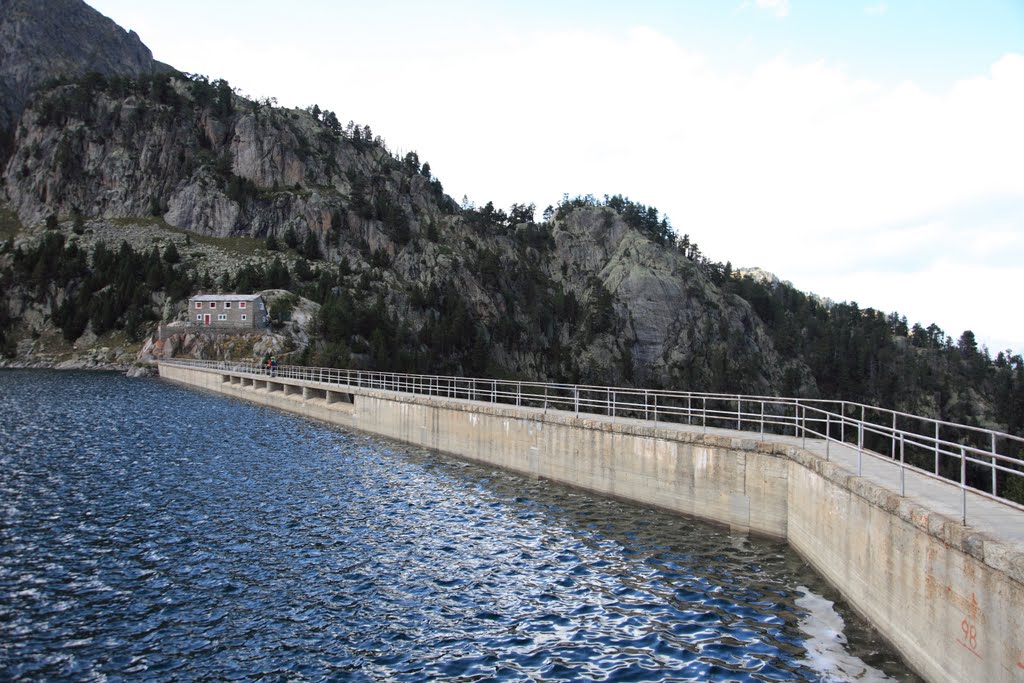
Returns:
(950,599)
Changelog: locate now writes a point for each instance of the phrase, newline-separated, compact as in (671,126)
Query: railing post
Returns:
(894,435)
(963,486)
(739,414)
(842,423)
(611,401)
(576,394)
(803,423)
(704,414)
(545,398)
(828,434)
(936,449)
(860,446)
(993,463)
(655,409)
(903,469)
(646,401)
(762,419)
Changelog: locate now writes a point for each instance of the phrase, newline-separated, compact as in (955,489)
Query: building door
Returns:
(206,319)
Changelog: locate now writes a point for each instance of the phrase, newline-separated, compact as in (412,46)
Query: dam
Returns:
(936,566)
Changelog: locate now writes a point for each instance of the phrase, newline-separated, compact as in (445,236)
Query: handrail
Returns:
(963,455)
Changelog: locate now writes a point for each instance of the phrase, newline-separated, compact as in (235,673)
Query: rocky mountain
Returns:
(42,40)
(202,159)
(211,191)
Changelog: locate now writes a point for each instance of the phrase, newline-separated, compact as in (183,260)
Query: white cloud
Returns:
(876,10)
(779,7)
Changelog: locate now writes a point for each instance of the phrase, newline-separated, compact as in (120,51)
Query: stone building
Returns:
(235,311)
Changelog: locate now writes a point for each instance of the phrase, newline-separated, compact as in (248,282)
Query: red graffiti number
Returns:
(970,634)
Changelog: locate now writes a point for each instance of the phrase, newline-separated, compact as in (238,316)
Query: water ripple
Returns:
(148,532)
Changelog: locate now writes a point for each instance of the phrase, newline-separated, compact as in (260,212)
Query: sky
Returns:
(867,151)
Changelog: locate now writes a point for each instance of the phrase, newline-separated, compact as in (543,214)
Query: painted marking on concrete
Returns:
(971,650)
(970,641)
(1020,665)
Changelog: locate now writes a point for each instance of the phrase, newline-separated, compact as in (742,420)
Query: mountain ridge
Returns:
(41,40)
(595,291)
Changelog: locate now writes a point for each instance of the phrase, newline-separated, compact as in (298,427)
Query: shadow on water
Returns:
(151,532)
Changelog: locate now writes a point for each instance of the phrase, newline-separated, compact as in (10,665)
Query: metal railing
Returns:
(974,459)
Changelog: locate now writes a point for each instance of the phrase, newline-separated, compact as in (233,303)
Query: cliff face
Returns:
(105,148)
(46,39)
(675,326)
(583,296)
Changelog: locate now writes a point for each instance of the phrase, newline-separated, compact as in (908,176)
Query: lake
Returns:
(149,532)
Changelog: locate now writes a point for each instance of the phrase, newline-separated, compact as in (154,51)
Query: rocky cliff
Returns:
(42,40)
(408,278)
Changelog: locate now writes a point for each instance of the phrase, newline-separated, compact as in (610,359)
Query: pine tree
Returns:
(291,240)
(171,254)
(311,247)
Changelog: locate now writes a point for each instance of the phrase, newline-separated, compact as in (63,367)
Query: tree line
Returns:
(111,289)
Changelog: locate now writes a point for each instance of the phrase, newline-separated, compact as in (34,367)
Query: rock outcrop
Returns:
(677,325)
(42,40)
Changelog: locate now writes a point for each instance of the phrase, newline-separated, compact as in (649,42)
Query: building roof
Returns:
(226,297)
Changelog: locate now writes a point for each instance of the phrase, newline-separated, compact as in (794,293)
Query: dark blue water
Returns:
(148,532)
